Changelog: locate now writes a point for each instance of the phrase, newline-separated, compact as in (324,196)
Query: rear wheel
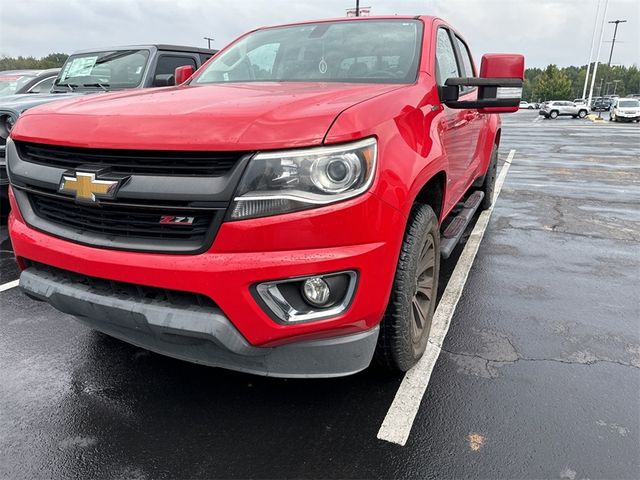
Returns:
(554,114)
(405,328)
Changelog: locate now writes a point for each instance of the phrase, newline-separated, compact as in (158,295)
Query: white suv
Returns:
(557,108)
(625,109)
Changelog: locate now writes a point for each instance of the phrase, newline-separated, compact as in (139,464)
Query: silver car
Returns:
(557,108)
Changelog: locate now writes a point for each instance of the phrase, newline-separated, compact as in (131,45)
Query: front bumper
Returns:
(627,117)
(197,334)
(244,253)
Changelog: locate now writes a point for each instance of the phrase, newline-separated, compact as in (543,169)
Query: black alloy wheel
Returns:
(405,327)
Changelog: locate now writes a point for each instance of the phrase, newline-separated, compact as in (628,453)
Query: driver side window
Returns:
(446,64)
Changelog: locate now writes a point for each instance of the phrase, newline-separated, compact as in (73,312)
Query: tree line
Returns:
(550,83)
(553,83)
(53,60)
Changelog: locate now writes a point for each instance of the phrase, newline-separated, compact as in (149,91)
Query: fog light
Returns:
(307,299)
(316,291)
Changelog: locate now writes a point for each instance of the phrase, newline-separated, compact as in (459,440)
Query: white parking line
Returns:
(397,424)
(537,119)
(9,285)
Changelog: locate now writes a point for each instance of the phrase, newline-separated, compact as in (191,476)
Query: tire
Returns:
(582,113)
(553,114)
(405,327)
(489,184)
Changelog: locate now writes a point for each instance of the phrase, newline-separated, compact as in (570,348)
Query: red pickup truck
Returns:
(282,211)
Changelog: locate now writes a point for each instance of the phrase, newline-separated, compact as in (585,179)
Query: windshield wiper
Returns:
(103,86)
(72,86)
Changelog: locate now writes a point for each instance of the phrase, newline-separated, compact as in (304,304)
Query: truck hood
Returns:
(209,117)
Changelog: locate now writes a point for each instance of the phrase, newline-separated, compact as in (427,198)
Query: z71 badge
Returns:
(172,220)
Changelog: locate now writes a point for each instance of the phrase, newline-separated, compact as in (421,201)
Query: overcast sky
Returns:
(545,31)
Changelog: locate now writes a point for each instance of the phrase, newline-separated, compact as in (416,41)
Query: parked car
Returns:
(14,82)
(625,110)
(7,119)
(559,108)
(98,71)
(601,104)
(526,105)
(253,217)
(580,101)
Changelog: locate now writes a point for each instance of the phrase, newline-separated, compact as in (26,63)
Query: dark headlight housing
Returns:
(7,121)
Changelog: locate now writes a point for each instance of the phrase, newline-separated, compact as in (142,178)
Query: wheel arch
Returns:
(432,193)
(496,138)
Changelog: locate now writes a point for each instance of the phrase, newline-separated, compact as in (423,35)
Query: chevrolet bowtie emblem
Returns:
(86,188)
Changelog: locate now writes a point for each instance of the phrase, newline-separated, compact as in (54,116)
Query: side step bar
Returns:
(452,234)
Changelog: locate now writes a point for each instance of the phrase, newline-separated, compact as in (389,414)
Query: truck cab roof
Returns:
(153,46)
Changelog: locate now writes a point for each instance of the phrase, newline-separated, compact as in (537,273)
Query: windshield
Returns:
(629,103)
(113,69)
(10,84)
(369,51)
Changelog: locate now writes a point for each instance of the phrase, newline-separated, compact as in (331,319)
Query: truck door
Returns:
(454,123)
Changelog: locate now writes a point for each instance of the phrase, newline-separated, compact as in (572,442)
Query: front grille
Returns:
(132,162)
(139,293)
(122,221)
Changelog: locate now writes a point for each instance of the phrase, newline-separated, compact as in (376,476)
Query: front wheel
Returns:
(582,113)
(489,184)
(405,327)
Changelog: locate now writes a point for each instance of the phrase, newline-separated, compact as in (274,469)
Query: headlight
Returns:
(287,181)
(6,124)
(9,122)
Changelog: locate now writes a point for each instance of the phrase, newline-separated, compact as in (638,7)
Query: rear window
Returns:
(629,103)
(10,84)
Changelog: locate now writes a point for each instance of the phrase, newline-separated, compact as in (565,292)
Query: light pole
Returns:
(209,40)
(593,41)
(615,31)
(613,44)
(615,85)
(595,67)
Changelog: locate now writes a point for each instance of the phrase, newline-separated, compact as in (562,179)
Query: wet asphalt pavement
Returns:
(539,377)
